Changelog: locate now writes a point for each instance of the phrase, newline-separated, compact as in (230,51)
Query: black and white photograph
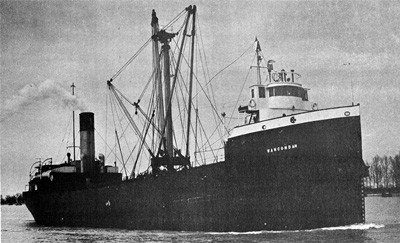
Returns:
(200,121)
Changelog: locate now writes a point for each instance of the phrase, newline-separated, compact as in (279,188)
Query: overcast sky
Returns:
(47,45)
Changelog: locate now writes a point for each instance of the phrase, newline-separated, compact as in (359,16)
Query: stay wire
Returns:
(229,64)
(241,90)
(66,131)
(112,149)
(143,47)
(130,60)
(207,75)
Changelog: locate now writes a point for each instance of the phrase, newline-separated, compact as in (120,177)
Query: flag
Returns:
(258,47)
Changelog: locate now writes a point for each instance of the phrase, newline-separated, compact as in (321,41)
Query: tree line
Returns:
(384,172)
(14,199)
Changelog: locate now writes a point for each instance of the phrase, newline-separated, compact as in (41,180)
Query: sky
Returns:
(47,45)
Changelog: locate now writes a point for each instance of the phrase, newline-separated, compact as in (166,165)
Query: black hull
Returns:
(297,177)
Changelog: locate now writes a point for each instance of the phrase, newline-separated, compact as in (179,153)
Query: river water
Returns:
(382,225)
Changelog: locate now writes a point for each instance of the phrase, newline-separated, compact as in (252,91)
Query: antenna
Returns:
(258,50)
(73,123)
(351,84)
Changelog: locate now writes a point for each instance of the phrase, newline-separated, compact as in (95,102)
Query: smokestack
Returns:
(86,123)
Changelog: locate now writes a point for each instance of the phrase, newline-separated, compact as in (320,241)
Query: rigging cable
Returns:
(229,64)
(130,60)
(140,110)
(98,133)
(145,131)
(113,152)
(212,106)
(181,111)
(208,98)
(105,144)
(207,75)
(147,84)
(76,135)
(140,148)
(197,114)
(126,112)
(66,131)
(127,144)
(123,132)
(241,90)
(120,150)
(214,109)
(143,47)
(204,132)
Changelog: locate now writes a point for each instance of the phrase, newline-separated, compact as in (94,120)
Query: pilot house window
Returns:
(261,92)
(289,91)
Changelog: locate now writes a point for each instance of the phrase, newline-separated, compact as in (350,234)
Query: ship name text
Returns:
(282,148)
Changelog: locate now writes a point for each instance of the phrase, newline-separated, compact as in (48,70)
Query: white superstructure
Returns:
(281,95)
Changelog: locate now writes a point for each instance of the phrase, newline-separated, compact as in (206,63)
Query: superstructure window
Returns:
(261,92)
(305,95)
(271,92)
(252,93)
(288,91)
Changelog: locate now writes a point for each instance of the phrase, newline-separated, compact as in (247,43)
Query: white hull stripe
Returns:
(301,118)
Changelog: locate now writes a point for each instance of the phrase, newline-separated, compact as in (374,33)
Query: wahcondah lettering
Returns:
(281,148)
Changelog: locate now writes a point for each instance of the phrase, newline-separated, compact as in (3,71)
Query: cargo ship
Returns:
(289,166)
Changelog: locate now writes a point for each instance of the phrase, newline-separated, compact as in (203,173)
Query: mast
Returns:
(157,80)
(259,58)
(191,79)
(73,123)
(168,158)
(165,37)
(168,98)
